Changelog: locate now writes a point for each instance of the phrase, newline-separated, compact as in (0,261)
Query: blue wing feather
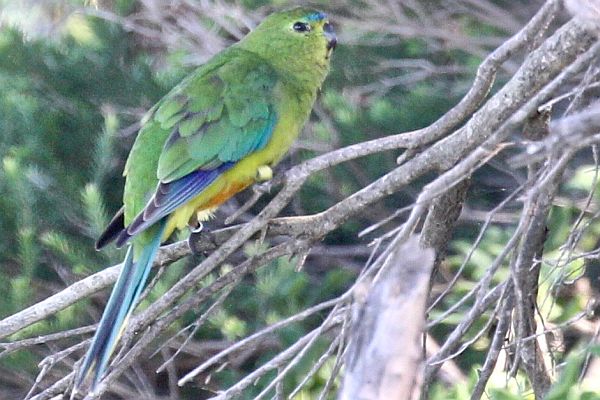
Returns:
(169,196)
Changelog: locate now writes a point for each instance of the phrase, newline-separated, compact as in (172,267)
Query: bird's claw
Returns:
(198,228)
(202,241)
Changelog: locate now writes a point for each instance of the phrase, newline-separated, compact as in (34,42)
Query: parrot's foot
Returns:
(264,173)
(202,241)
(196,228)
(194,223)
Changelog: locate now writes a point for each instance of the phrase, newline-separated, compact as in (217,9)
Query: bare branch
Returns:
(475,133)
(384,358)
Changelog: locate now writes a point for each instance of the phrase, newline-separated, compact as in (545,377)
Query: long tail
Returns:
(123,299)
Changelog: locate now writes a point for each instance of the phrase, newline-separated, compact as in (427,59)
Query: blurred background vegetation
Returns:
(76,77)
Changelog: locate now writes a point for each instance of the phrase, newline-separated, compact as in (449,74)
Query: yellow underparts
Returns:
(255,167)
(201,207)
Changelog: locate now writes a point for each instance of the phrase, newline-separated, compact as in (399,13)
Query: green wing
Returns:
(220,117)
(213,119)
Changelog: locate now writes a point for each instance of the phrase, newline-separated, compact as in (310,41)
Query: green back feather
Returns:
(227,108)
(233,117)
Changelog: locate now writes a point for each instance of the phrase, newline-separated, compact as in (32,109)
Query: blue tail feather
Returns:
(123,299)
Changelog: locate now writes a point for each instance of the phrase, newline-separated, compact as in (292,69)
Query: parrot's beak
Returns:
(330,36)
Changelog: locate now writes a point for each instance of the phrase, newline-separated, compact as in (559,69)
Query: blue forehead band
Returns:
(318,16)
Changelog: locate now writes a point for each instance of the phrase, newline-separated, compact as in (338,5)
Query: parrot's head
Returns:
(299,40)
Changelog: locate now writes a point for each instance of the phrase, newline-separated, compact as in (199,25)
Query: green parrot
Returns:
(217,132)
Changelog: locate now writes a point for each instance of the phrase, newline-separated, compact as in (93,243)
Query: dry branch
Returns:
(484,126)
(384,360)
(561,51)
(441,220)
(526,268)
(80,290)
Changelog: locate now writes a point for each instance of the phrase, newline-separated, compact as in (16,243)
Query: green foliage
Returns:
(68,105)
(275,292)
(60,152)
(567,387)
(556,305)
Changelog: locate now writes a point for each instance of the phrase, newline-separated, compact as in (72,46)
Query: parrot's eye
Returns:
(301,27)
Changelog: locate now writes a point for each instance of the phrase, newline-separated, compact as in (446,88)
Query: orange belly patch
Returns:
(224,195)
(200,208)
